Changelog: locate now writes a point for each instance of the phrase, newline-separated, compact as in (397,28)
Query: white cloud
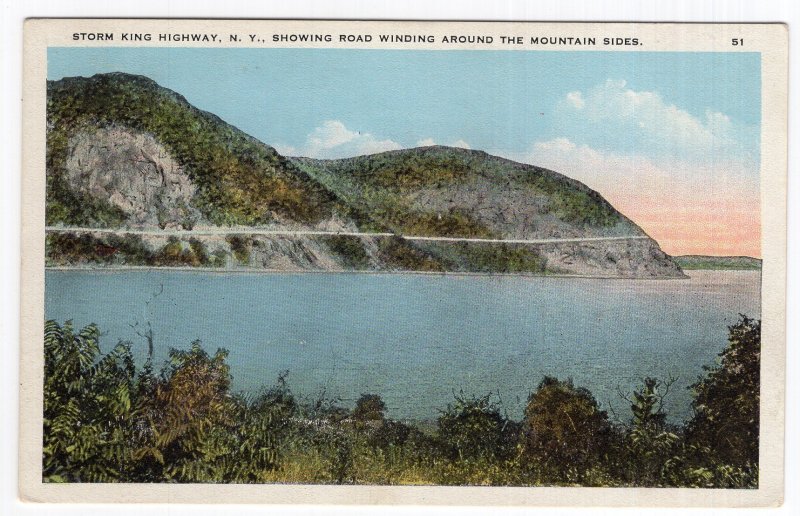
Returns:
(691,180)
(368,145)
(615,117)
(427,142)
(576,99)
(330,134)
(561,145)
(604,171)
(333,139)
(718,122)
(610,172)
(285,150)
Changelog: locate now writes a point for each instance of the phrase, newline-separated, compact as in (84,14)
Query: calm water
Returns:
(417,339)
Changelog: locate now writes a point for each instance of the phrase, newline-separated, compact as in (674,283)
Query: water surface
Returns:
(416,339)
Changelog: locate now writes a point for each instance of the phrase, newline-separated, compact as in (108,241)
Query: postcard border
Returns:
(41,33)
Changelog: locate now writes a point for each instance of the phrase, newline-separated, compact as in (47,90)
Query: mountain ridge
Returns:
(124,152)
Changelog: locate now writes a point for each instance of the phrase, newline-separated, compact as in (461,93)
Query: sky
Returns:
(671,139)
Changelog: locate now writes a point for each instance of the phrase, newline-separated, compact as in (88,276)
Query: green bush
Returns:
(106,421)
(350,250)
(77,249)
(727,400)
(87,407)
(497,258)
(241,247)
(127,249)
(565,430)
(369,407)
(653,448)
(473,428)
(403,255)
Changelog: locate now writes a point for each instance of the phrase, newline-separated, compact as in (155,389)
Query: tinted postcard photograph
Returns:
(362,261)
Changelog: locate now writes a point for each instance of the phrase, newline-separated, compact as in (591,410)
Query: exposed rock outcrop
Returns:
(640,258)
(134,172)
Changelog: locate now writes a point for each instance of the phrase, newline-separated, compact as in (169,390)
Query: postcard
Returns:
(403,262)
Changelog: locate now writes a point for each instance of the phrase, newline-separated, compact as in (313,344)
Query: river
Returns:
(418,339)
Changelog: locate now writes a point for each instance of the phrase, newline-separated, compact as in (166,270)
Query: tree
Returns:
(650,444)
(103,422)
(473,428)
(188,415)
(87,407)
(726,404)
(565,430)
(369,408)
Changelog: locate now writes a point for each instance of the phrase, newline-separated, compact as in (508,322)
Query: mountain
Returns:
(123,150)
(180,187)
(444,191)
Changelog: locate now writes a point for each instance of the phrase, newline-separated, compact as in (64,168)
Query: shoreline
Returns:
(213,270)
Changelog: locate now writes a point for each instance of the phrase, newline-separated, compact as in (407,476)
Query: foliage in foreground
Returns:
(106,421)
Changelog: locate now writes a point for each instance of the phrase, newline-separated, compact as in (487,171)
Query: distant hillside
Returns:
(444,191)
(718,262)
(126,153)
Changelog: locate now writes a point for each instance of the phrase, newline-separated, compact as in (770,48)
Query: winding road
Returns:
(273,232)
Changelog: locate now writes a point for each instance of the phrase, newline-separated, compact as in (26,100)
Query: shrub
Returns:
(369,407)
(104,422)
(652,446)
(726,404)
(473,428)
(74,248)
(565,429)
(241,248)
(173,253)
(87,407)
(405,256)
(350,250)
(199,251)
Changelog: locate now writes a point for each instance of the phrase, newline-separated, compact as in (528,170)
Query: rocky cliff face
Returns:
(641,258)
(125,153)
(133,172)
(460,192)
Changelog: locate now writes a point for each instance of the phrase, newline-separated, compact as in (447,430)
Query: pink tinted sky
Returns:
(687,208)
(690,181)
(714,227)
